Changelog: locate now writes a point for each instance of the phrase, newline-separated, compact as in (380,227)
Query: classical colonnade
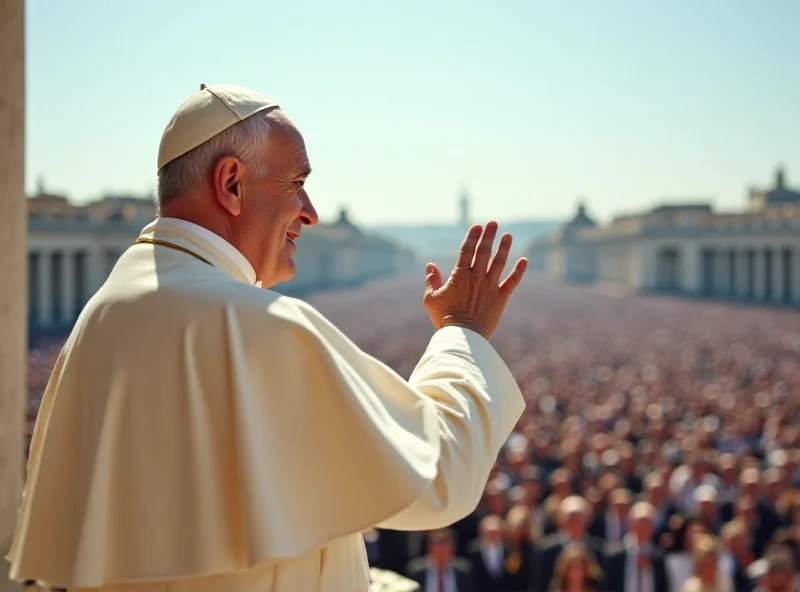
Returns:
(60,283)
(756,273)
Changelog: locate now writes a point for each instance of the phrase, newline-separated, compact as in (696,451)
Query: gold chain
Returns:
(153,241)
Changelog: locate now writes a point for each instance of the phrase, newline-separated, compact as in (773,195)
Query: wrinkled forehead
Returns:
(287,145)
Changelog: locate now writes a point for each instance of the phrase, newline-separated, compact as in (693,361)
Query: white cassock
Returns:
(201,434)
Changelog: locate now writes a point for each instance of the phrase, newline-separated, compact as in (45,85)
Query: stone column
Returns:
(721,275)
(730,266)
(45,288)
(690,267)
(13,264)
(741,274)
(779,280)
(68,287)
(759,274)
(795,276)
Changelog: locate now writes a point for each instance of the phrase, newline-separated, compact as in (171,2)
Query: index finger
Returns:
(467,252)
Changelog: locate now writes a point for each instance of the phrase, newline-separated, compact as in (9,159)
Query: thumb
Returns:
(433,277)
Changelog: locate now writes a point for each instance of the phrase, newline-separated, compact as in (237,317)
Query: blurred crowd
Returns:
(660,449)
(659,452)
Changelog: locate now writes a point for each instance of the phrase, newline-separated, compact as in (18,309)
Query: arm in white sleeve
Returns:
(479,403)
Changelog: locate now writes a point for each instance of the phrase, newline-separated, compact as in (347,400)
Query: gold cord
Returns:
(153,241)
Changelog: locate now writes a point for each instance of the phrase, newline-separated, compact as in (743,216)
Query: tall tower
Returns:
(780,176)
(464,209)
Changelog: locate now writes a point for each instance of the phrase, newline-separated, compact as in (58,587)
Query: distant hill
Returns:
(439,242)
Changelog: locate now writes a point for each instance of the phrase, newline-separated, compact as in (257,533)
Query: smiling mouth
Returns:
(291,237)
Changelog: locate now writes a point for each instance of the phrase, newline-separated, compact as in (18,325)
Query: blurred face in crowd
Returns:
(729,472)
(748,512)
(707,568)
(442,549)
(795,514)
(543,448)
(517,525)
(772,485)
(698,469)
(628,463)
(707,509)
(571,460)
(642,529)
(656,491)
(491,532)
(693,531)
(576,572)
(496,504)
(649,456)
(781,574)
(620,503)
(750,483)
(789,468)
(608,482)
(561,485)
(779,580)
(738,542)
(595,500)
(534,490)
(574,524)
(518,460)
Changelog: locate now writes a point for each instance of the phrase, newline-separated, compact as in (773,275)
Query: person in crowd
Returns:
(630,470)
(519,550)
(760,520)
(615,519)
(707,508)
(576,570)
(680,563)
(534,488)
(779,571)
(573,517)
(655,492)
(441,570)
(637,564)
(487,555)
(706,573)
(736,543)
(689,476)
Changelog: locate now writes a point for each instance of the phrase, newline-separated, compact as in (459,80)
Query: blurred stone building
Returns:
(73,248)
(687,248)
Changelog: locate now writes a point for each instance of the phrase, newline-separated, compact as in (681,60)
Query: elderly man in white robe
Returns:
(201,432)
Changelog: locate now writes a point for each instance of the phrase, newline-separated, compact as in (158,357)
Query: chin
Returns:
(287,271)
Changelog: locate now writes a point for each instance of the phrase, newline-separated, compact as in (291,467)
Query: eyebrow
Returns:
(306,171)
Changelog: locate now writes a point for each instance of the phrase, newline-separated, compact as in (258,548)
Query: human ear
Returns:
(227,179)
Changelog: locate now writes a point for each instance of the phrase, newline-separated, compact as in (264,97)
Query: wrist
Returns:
(465,324)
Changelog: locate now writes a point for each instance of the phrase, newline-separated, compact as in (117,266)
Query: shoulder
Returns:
(462,564)
(418,565)
(616,552)
(677,560)
(551,543)
(265,315)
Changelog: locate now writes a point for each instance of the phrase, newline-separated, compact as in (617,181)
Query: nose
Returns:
(308,214)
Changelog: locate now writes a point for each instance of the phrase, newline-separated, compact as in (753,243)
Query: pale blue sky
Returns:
(531,103)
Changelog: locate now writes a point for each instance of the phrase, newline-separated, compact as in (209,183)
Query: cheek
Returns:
(292,207)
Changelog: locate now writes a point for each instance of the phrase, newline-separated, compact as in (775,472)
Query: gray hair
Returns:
(246,140)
